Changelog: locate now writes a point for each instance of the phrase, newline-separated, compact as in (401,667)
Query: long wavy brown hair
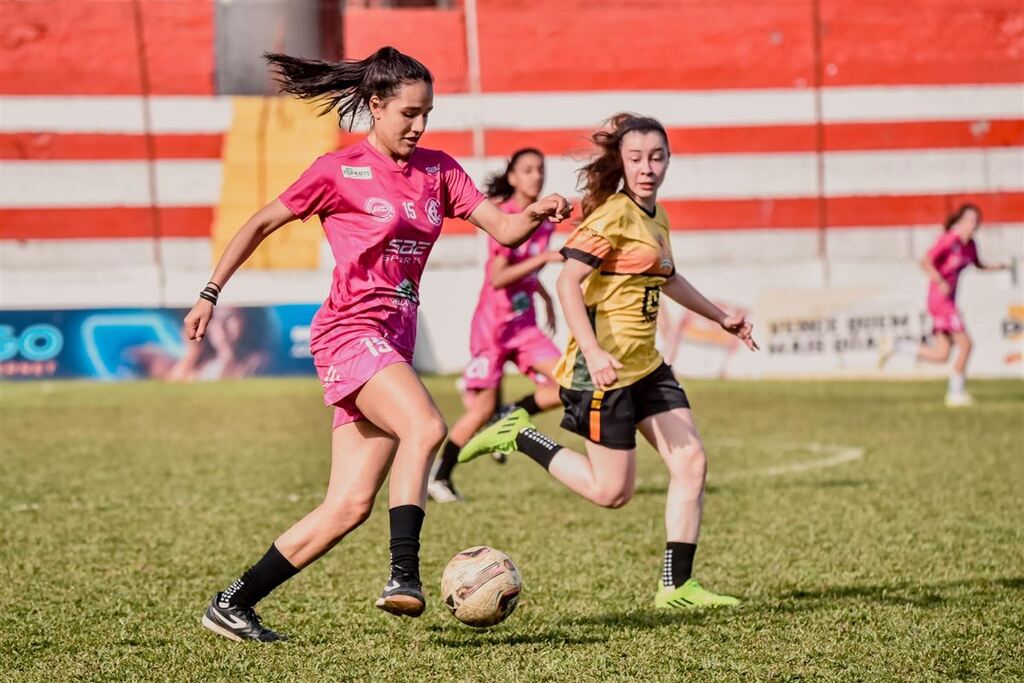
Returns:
(348,85)
(603,176)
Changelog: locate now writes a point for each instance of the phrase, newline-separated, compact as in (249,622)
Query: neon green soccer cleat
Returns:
(690,595)
(500,437)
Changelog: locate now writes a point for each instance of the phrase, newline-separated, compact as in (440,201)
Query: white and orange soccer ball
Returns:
(481,586)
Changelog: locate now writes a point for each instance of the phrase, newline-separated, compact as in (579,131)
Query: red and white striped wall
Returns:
(801,130)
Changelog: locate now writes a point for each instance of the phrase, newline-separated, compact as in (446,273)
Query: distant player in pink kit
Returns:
(504,324)
(948,257)
(381,203)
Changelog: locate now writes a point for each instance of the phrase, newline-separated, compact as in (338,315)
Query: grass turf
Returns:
(124,507)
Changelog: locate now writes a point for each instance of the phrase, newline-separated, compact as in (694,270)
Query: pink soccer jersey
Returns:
(381,220)
(949,256)
(511,306)
(504,324)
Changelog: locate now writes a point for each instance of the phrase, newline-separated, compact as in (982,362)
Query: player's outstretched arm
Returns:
(512,229)
(503,274)
(679,289)
(261,225)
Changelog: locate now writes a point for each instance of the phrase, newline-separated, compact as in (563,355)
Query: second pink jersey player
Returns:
(950,256)
(381,220)
(504,326)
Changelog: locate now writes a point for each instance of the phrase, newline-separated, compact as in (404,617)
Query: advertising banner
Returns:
(119,344)
(803,332)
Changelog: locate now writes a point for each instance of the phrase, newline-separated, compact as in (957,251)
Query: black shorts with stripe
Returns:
(609,418)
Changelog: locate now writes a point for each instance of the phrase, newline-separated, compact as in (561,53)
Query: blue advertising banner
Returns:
(124,343)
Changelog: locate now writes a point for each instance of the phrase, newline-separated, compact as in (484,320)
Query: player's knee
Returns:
(346,515)
(429,432)
(692,467)
(614,498)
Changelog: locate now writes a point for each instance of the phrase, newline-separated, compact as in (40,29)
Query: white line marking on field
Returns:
(834,455)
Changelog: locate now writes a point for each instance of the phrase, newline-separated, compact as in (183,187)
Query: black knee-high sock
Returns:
(271,571)
(678,563)
(529,404)
(539,447)
(449,459)
(406,524)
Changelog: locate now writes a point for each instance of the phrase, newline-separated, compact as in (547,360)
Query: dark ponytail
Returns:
(954,218)
(600,179)
(498,186)
(347,85)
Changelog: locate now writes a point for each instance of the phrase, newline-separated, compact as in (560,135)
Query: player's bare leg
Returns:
(956,395)
(397,402)
(674,435)
(360,456)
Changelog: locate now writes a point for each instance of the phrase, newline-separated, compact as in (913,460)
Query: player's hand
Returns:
(553,207)
(944,287)
(197,320)
(602,366)
(738,325)
(553,257)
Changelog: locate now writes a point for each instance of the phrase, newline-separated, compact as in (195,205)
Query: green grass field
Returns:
(125,507)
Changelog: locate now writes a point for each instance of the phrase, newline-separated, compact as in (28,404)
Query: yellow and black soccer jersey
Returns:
(632,258)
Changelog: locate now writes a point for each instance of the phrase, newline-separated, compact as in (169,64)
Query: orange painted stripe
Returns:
(802,212)
(920,42)
(569,142)
(104,222)
(91,48)
(997,207)
(795,138)
(88,146)
(719,214)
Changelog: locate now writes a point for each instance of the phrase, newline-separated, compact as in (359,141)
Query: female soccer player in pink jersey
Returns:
(504,324)
(948,257)
(381,203)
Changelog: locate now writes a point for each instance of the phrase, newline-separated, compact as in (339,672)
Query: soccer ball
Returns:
(481,586)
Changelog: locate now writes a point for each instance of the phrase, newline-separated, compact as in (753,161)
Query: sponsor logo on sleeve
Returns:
(357,172)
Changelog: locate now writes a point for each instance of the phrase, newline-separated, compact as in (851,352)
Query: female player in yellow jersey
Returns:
(614,381)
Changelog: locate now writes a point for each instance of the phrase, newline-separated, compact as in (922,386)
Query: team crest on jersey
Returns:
(380,209)
(666,255)
(433,170)
(357,172)
(434,211)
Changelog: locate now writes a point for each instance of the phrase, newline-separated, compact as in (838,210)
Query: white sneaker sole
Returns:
(219,630)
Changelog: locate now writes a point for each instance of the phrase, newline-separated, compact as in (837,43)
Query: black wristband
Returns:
(216,286)
(209,297)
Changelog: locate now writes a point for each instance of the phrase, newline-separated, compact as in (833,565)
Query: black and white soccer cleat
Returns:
(403,595)
(237,623)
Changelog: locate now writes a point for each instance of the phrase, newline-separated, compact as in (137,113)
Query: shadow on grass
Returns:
(636,619)
(490,637)
(648,619)
(923,595)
